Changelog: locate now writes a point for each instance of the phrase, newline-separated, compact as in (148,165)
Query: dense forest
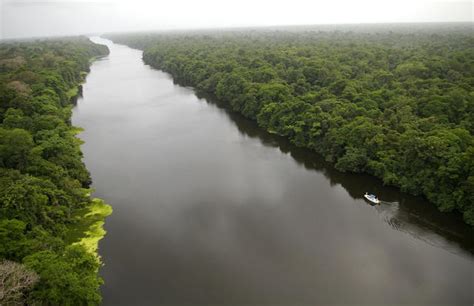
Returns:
(396,102)
(44,195)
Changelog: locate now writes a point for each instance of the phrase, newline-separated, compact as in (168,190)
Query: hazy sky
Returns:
(26,18)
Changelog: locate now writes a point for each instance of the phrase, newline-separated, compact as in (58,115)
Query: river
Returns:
(209,209)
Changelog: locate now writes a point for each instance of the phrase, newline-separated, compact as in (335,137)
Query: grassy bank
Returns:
(88,226)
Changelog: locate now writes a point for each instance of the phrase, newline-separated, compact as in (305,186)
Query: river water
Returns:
(209,209)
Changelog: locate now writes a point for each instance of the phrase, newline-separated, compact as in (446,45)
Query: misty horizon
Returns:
(30,18)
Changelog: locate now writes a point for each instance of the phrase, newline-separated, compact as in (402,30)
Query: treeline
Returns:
(395,102)
(43,182)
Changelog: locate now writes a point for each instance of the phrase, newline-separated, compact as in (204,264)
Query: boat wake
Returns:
(418,227)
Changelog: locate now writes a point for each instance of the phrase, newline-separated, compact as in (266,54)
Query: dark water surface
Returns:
(209,209)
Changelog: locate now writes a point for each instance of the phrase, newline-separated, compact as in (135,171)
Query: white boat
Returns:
(372,198)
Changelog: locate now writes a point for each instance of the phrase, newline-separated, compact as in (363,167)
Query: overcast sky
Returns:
(28,18)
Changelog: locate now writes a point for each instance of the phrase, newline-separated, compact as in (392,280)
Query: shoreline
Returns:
(88,228)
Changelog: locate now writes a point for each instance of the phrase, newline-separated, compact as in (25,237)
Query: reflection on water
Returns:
(403,212)
(211,210)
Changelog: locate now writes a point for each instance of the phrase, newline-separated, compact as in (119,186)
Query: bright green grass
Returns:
(88,228)
(71,93)
(76,130)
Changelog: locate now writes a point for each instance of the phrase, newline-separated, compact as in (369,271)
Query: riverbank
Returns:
(87,228)
(49,223)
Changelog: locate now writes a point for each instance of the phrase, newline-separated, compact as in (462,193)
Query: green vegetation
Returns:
(49,225)
(88,228)
(393,101)
(73,92)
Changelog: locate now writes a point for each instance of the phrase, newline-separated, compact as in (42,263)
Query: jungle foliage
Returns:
(393,101)
(43,180)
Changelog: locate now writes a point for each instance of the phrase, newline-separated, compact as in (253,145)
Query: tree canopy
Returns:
(43,180)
